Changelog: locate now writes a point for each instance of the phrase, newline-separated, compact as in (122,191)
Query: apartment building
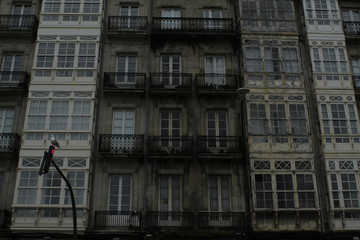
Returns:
(233,119)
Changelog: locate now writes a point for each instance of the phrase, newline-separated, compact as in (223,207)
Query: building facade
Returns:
(233,119)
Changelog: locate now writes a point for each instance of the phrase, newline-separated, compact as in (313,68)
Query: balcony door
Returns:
(6,125)
(170,201)
(126,69)
(170,69)
(11,66)
(170,129)
(127,20)
(356,72)
(217,130)
(21,11)
(219,197)
(215,70)
(123,130)
(213,24)
(169,23)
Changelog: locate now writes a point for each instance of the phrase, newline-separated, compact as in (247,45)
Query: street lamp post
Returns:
(44,168)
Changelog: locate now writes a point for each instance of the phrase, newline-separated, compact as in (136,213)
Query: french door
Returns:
(170,128)
(11,66)
(126,69)
(169,23)
(215,70)
(170,69)
(123,130)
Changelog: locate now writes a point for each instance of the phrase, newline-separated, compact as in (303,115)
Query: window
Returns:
(170,197)
(339,119)
(298,119)
(77,181)
(306,193)
(285,191)
(267,10)
(120,193)
(278,120)
(272,59)
(59,115)
(126,67)
(322,10)
(215,70)
(45,56)
(81,115)
(216,23)
(258,122)
(123,128)
(51,188)
(66,56)
(168,22)
(345,192)
(333,60)
(170,69)
(6,120)
(1,184)
(217,129)
(263,191)
(356,72)
(27,189)
(36,117)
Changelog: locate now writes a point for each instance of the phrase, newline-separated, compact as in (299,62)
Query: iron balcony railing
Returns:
(219,144)
(11,79)
(170,80)
(115,220)
(169,220)
(9,142)
(170,144)
(121,80)
(4,219)
(216,81)
(356,81)
(121,143)
(193,24)
(351,28)
(222,220)
(18,22)
(126,23)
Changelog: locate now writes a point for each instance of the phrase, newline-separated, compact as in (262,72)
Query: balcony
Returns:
(351,28)
(121,143)
(193,25)
(356,82)
(117,82)
(4,219)
(126,26)
(9,142)
(13,80)
(282,220)
(170,145)
(219,145)
(266,25)
(18,26)
(222,220)
(345,219)
(171,83)
(216,83)
(116,220)
(155,220)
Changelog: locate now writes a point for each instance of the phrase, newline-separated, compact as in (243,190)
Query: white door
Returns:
(170,128)
(213,24)
(170,69)
(128,12)
(11,66)
(126,69)
(215,70)
(169,201)
(20,10)
(123,130)
(170,23)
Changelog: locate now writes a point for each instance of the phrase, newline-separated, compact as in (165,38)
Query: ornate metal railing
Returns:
(169,220)
(217,81)
(193,24)
(119,80)
(121,143)
(123,23)
(219,144)
(170,80)
(222,220)
(170,145)
(111,220)
(356,81)
(18,22)
(13,79)
(351,28)
(9,142)
(4,219)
